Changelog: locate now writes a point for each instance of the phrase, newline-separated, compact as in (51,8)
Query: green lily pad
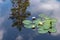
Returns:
(43,27)
(41,15)
(40,28)
(27,22)
(46,24)
(46,27)
(38,21)
(42,31)
(53,30)
(30,26)
(46,17)
(53,21)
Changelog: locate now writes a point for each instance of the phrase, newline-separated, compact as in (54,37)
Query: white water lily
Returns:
(33,17)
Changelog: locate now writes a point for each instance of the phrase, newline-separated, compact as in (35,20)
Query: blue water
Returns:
(7,32)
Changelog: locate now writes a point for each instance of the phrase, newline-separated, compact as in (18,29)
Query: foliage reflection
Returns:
(19,13)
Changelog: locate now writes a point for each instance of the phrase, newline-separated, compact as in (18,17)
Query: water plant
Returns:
(47,25)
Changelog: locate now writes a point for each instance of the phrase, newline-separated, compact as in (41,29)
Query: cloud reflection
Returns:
(1,20)
(49,7)
(1,1)
(38,6)
(1,34)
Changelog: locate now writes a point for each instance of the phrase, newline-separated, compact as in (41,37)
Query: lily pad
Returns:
(53,30)
(30,26)
(41,15)
(54,21)
(46,24)
(38,21)
(46,27)
(42,31)
(40,28)
(27,22)
(46,17)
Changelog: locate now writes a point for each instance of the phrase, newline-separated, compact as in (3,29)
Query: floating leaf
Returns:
(38,21)
(46,17)
(27,22)
(41,15)
(53,30)
(30,26)
(46,27)
(46,24)
(54,20)
(42,31)
(40,28)
(43,25)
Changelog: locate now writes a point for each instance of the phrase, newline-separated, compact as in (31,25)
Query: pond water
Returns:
(34,7)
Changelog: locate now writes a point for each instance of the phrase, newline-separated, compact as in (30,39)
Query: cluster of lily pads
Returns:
(44,24)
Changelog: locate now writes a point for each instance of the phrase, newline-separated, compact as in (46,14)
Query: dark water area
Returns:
(32,9)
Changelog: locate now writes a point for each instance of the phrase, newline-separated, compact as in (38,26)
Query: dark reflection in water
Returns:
(19,12)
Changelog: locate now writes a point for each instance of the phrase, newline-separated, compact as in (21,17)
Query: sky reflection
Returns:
(36,7)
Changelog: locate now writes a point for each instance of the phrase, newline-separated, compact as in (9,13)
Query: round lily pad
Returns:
(27,22)
(46,24)
(53,30)
(41,15)
(41,28)
(47,17)
(42,31)
(38,21)
(46,27)
(30,26)
(53,21)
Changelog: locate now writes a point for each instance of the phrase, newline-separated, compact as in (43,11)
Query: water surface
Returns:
(48,7)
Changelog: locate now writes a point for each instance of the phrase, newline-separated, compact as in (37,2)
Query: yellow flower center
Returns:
(40,23)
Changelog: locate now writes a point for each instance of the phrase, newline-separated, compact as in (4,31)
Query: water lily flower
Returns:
(33,18)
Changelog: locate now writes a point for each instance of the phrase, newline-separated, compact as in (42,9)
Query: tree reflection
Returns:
(19,12)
